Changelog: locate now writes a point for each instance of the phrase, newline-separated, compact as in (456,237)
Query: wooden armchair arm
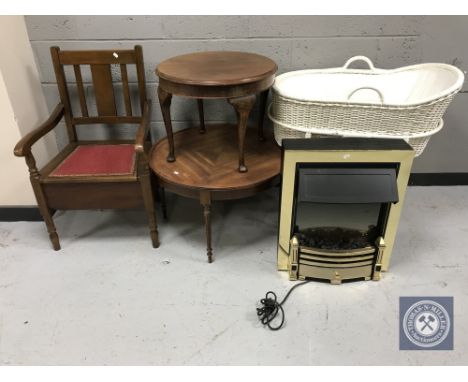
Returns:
(143,130)
(23,147)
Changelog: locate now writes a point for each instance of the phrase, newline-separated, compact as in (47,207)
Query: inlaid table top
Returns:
(208,162)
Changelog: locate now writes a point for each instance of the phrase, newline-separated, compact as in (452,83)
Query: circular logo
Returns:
(426,323)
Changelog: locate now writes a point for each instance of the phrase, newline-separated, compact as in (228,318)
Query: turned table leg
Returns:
(201,114)
(261,113)
(162,193)
(242,106)
(165,103)
(205,200)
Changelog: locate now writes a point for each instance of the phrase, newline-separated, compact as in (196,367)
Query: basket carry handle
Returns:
(369,88)
(359,58)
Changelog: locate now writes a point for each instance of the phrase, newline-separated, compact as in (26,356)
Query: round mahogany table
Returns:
(236,76)
(206,167)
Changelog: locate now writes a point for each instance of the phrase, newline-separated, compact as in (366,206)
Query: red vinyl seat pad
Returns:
(98,160)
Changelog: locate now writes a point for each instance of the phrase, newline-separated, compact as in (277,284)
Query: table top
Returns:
(209,161)
(217,68)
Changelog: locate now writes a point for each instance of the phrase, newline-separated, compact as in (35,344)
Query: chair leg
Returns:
(46,213)
(158,194)
(148,200)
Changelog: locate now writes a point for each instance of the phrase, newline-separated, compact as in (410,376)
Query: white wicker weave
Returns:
(407,102)
(417,141)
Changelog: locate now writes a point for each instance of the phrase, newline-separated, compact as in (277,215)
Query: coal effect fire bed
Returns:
(341,200)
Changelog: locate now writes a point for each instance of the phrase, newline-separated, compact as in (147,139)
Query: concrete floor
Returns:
(108,298)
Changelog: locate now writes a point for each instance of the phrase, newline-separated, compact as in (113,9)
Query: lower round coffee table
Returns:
(205,168)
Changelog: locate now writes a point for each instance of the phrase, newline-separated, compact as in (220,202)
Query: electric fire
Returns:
(340,206)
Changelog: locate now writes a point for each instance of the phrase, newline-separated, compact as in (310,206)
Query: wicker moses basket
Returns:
(406,103)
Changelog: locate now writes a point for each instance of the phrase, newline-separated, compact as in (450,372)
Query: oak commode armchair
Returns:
(104,174)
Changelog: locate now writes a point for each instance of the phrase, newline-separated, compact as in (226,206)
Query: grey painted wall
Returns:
(294,42)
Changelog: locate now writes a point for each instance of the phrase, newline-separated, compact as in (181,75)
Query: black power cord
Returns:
(270,308)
